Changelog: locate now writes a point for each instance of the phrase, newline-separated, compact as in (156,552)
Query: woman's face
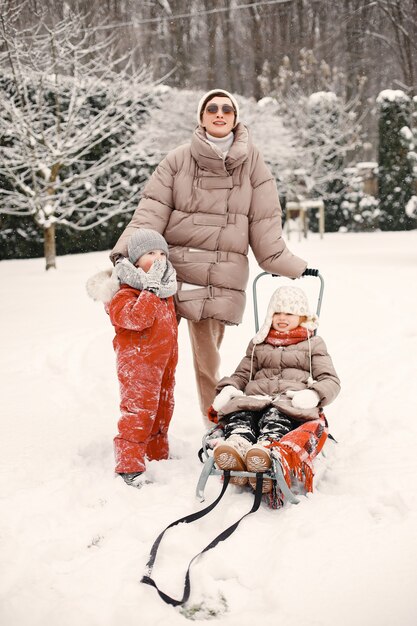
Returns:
(283,322)
(217,121)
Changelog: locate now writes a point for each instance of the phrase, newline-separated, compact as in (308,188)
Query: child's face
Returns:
(283,322)
(146,260)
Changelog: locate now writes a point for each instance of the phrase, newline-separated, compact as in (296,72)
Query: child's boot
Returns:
(230,454)
(135,479)
(258,459)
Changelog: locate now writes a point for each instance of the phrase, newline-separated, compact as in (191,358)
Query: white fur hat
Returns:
(209,94)
(287,300)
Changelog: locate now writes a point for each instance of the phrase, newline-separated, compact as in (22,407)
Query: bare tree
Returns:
(325,127)
(401,16)
(230,61)
(211,43)
(67,128)
(257,54)
(327,130)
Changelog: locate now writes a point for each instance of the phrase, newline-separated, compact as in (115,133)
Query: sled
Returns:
(281,492)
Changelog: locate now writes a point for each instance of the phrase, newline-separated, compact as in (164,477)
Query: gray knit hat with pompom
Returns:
(143,241)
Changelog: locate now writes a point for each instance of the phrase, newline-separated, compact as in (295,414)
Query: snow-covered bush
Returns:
(395,167)
(412,154)
(411,207)
(360,211)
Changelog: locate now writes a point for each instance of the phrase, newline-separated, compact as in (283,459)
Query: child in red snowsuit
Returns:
(142,313)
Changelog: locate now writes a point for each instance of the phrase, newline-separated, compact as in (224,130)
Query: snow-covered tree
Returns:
(70,112)
(395,169)
(411,206)
(325,129)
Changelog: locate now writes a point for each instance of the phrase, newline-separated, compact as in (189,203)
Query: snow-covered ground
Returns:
(75,539)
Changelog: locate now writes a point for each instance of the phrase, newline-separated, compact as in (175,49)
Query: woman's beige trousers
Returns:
(206,337)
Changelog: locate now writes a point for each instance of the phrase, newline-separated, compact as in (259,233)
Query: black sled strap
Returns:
(148,580)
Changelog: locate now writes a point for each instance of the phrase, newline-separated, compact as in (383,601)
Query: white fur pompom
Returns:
(103,286)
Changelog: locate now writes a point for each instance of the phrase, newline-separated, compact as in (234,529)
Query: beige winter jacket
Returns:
(210,211)
(269,371)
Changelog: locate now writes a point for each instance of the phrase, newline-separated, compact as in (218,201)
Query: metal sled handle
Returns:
(314,273)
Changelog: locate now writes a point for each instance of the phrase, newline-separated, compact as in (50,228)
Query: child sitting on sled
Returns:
(138,299)
(272,403)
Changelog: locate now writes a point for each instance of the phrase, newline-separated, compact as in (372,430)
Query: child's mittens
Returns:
(128,274)
(152,279)
(168,282)
(304,398)
(226,394)
(135,277)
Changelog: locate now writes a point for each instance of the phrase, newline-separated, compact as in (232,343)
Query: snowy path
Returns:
(74,540)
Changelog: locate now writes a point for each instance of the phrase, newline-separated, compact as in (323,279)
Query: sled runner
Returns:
(291,470)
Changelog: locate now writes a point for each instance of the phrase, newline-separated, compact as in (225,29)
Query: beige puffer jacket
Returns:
(269,371)
(210,211)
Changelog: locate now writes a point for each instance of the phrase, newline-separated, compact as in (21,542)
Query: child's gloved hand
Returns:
(168,282)
(226,394)
(128,274)
(152,279)
(304,398)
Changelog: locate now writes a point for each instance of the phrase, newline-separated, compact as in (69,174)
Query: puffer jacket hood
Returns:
(103,285)
(210,211)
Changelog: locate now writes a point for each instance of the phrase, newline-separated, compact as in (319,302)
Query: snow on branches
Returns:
(71,109)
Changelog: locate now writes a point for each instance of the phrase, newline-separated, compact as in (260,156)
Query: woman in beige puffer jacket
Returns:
(212,199)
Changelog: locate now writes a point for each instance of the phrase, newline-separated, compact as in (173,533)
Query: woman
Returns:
(211,199)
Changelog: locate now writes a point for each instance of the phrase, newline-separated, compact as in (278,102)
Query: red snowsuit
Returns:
(147,353)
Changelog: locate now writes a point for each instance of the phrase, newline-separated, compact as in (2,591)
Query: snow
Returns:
(392,95)
(326,97)
(75,539)
(366,165)
(411,207)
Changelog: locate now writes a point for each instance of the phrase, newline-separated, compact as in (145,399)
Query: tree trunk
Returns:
(49,247)
(356,22)
(257,51)
(226,25)
(402,28)
(211,40)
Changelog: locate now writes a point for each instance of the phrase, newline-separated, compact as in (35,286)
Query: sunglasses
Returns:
(226,108)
